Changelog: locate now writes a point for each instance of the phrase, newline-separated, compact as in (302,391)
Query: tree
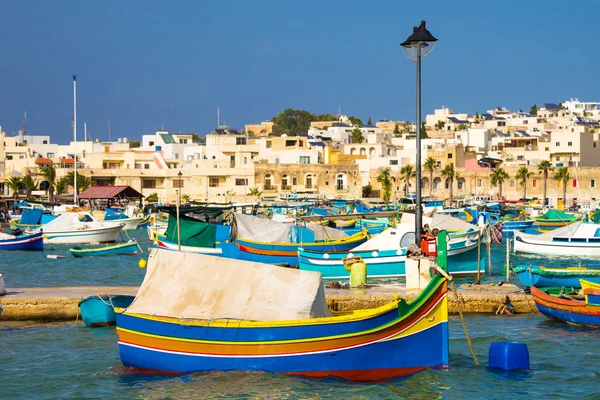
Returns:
(293,122)
(367,190)
(60,186)
(545,167)
(522,175)
(386,184)
(134,144)
(562,175)
(369,122)
(440,125)
(30,185)
(424,130)
(186,198)
(533,110)
(14,183)
(449,172)
(195,139)
(497,178)
(355,121)
(430,165)
(406,173)
(397,129)
(407,126)
(49,174)
(254,191)
(152,198)
(476,115)
(357,136)
(83,182)
(461,127)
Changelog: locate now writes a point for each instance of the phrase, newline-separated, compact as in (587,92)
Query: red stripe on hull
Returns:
(362,375)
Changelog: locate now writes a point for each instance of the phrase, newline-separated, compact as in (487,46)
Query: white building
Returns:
(591,108)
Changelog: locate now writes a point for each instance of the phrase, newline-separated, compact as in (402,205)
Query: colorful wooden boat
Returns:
(544,277)
(385,255)
(33,241)
(129,248)
(97,311)
(145,222)
(555,218)
(577,239)
(585,284)
(571,311)
(396,339)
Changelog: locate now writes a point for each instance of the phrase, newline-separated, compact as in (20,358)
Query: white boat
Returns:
(156,230)
(129,224)
(577,239)
(164,244)
(80,228)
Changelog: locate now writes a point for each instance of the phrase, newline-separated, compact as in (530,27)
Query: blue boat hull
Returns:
(531,277)
(24,242)
(128,250)
(98,311)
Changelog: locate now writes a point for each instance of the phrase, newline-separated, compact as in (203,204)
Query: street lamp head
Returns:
(179,174)
(421,42)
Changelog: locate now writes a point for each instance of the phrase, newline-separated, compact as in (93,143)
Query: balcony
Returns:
(286,187)
(269,188)
(342,188)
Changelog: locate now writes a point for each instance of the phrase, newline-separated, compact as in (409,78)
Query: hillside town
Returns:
(496,153)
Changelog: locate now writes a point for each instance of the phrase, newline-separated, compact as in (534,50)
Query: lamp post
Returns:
(416,46)
(180,185)
(177,209)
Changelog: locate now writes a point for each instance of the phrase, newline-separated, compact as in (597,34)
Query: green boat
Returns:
(124,249)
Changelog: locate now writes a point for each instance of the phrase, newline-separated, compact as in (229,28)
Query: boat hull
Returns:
(125,249)
(555,277)
(162,243)
(574,312)
(533,246)
(25,242)
(98,311)
(373,347)
(100,235)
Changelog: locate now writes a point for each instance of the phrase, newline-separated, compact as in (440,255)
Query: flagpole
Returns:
(75,139)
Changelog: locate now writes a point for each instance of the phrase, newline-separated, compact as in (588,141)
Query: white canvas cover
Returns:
(389,239)
(571,230)
(197,286)
(325,233)
(64,223)
(261,230)
(440,221)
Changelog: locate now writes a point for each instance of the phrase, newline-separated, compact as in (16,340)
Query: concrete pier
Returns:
(60,303)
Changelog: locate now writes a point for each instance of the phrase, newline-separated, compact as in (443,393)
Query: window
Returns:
(557,158)
(593,183)
(290,143)
(569,143)
(178,183)
(449,155)
(284,181)
(213,182)
(557,143)
(534,183)
(245,160)
(44,142)
(294,181)
(575,183)
(146,166)
(304,159)
(240,140)
(269,144)
(520,158)
(137,166)
(393,162)
(9,157)
(241,182)
(182,141)
(478,182)
(150,143)
(309,182)
(300,143)
(51,155)
(525,122)
(148,183)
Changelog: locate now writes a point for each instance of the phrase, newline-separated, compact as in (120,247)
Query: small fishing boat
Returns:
(145,222)
(544,277)
(30,241)
(570,309)
(239,315)
(129,248)
(116,214)
(98,311)
(585,284)
(577,239)
(80,228)
(555,218)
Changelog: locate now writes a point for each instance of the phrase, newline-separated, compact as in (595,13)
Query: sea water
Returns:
(68,360)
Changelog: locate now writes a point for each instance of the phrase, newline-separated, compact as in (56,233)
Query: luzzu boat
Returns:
(33,241)
(250,316)
(129,248)
(385,254)
(555,218)
(195,236)
(577,239)
(543,277)
(266,241)
(561,308)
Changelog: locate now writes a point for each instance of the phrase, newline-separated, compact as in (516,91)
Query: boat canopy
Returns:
(556,214)
(31,216)
(440,221)
(192,232)
(206,287)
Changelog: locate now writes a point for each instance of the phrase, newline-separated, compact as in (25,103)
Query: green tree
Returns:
(522,175)
(406,173)
(449,172)
(195,139)
(424,130)
(497,178)
(477,115)
(461,127)
(440,125)
(325,117)
(254,191)
(367,190)
(407,126)
(83,182)
(562,176)
(396,130)
(355,121)
(30,185)
(369,122)
(49,174)
(533,110)
(430,165)
(186,198)
(545,167)
(386,184)
(14,183)
(134,144)
(293,122)
(357,136)
(152,198)
(60,186)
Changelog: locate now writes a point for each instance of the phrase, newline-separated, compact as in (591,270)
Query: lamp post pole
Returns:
(178,192)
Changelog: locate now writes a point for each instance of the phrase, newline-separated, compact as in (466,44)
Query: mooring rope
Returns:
(464,324)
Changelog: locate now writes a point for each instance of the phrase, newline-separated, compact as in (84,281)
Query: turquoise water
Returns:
(68,361)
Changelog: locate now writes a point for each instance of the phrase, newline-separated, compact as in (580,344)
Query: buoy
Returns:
(358,274)
(142,263)
(54,256)
(509,355)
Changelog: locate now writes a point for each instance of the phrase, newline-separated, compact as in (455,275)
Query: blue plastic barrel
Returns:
(158,148)
(509,355)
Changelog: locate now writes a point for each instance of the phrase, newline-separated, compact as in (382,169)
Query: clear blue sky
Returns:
(135,60)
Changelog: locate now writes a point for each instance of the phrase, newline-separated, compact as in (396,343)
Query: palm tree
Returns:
(562,175)
(449,172)
(60,186)
(152,198)
(386,184)
(430,165)
(83,182)
(254,192)
(545,167)
(497,178)
(406,173)
(522,175)
(49,174)
(30,185)
(186,198)
(357,136)
(14,184)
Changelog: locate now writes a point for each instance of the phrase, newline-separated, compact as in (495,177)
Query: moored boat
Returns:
(98,311)
(543,277)
(76,228)
(31,241)
(577,239)
(564,308)
(250,316)
(129,248)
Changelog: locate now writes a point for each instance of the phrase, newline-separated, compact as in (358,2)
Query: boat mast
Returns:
(75,139)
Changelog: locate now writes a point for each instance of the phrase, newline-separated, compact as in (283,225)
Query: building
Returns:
(264,129)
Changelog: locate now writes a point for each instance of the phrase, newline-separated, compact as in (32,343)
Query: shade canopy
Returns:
(110,192)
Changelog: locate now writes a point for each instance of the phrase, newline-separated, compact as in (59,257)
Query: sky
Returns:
(147,65)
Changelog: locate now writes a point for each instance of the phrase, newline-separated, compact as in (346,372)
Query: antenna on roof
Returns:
(109,129)
(172,112)
(218,116)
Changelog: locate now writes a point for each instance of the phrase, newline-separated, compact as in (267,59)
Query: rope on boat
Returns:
(464,324)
